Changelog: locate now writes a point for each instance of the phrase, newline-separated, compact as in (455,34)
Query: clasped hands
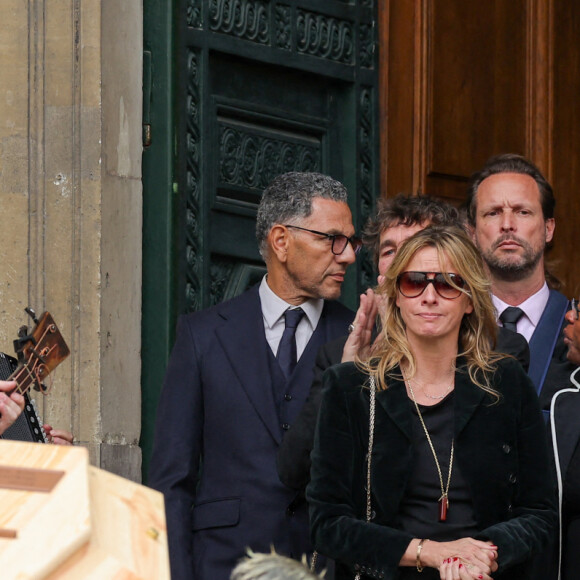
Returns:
(462,559)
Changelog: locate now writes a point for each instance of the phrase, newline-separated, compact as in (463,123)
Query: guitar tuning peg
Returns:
(31,313)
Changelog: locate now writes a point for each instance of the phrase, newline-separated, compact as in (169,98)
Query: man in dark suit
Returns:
(395,220)
(565,434)
(237,377)
(510,208)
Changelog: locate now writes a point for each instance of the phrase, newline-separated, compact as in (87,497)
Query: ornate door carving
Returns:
(267,87)
(261,87)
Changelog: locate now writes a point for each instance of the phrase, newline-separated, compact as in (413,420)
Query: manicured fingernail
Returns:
(480,577)
(455,559)
(461,565)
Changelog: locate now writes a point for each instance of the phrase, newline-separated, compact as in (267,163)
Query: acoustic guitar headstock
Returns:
(39,352)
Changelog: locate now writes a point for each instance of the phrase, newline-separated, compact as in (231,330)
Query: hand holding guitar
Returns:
(39,353)
(11,405)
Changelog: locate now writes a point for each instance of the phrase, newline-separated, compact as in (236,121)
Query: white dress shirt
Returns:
(533,309)
(273,308)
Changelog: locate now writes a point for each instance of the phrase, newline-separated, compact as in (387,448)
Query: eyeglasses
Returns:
(339,241)
(413,284)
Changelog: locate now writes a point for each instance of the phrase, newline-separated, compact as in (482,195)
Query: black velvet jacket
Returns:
(501,449)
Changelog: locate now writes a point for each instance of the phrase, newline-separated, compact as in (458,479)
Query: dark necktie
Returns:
(287,349)
(510,317)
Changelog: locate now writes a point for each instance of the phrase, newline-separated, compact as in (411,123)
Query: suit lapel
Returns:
(244,342)
(566,412)
(395,402)
(467,398)
(545,336)
(328,327)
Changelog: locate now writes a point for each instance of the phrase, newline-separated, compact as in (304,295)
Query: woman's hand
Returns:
(478,558)
(359,340)
(10,405)
(455,569)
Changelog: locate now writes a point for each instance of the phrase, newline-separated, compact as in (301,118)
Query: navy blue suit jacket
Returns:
(217,434)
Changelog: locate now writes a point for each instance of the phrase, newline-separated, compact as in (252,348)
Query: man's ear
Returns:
(470,231)
(279,240)
(550,227)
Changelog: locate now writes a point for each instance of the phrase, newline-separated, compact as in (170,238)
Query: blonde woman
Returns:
(460,478)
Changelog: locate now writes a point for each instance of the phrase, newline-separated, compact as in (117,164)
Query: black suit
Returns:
(500,450)
(294,452)
(219,424)
(565,433)
(559,371)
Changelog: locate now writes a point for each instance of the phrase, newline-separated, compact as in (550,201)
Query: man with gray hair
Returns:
(239,374)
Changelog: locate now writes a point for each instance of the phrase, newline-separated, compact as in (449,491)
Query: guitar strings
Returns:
(31,374)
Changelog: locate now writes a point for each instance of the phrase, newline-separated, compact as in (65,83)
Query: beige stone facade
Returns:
(71,207)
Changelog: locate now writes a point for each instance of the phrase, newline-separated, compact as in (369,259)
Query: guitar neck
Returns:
(26,377)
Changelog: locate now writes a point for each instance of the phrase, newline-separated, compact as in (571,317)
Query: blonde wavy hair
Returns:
(478,330)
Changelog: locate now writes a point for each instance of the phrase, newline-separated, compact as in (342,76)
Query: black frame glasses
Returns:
(339,241)
(449,286)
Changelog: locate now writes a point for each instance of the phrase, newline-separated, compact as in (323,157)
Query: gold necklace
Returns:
(444,499)
(433,397)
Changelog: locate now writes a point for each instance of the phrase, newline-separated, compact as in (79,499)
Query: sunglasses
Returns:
(413,284)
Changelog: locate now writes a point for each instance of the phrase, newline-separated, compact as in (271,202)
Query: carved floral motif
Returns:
(325,37)
(367,45)
(193,251)
(283,17)
(247,19)
(220,272)
(194,13)
(251,160)
(367,170)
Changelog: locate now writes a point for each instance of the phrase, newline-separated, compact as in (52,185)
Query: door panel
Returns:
(465,80)
(261,87)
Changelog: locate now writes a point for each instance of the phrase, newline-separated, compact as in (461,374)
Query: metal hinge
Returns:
(146,99)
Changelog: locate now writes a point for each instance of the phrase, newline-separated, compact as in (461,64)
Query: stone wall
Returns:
(71,208)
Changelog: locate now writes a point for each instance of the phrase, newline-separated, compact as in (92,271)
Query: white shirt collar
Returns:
(273,307)
(533,308)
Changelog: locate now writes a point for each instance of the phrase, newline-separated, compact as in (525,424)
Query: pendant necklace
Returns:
(444,499)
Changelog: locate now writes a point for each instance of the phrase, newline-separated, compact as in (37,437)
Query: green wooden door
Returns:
(255,88)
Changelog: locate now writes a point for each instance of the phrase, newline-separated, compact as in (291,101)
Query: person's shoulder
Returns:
(338,310)
(345,376)
(511,380)
(333,349)
(223,309)
(508,366)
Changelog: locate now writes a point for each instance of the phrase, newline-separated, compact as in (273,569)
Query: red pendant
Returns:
(443,507)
